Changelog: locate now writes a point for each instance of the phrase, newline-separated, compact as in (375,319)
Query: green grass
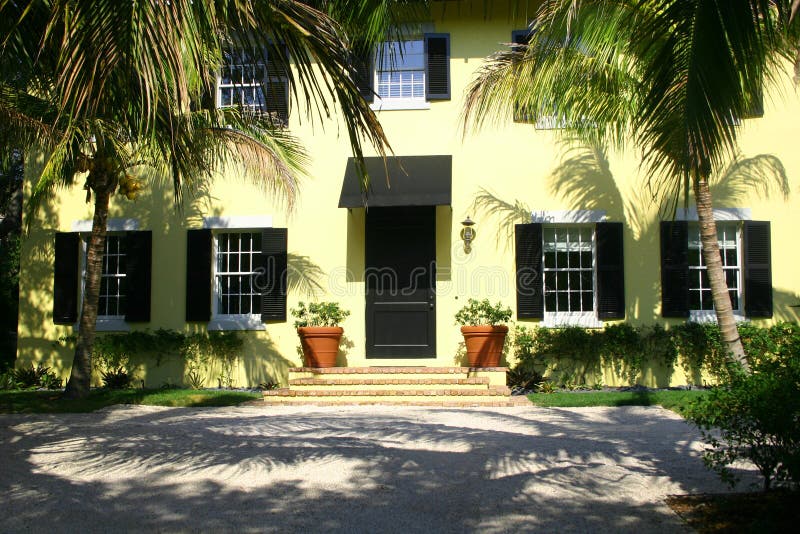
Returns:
(675,400)
(51,401)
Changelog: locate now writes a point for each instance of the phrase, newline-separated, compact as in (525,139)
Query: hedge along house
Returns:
(583,245)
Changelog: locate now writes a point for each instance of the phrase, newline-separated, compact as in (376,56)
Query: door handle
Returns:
(431,305)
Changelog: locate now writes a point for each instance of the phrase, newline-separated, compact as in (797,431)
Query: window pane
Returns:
(563,302)
(694,257)
(588,303)
(734,299)
(695,302)
(574,280)
(586,260)
(730,257)
(561,280)
(550,281)
(694,279)
(575,301)
(586,280)
(731,278)
(550,302)
(550,259)
(561,260)
(575,259)
(708,303)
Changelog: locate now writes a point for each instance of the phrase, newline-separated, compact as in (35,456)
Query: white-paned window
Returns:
(728,237)
(236,269)
(111,304)
(569,281)
(256,85)
(400,71)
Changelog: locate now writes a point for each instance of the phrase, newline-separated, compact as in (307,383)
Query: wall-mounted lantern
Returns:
(468,234)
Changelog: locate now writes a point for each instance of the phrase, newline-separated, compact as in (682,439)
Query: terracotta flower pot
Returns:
(320,345)
(484,344)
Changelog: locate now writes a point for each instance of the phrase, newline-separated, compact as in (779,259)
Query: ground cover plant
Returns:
(677,400)
(53,402)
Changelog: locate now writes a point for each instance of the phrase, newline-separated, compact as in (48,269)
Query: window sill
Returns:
(109,324)
(236,322)
(709,316)
(585,320)
(397,105)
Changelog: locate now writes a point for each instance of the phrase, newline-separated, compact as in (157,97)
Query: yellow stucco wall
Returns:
(515,162)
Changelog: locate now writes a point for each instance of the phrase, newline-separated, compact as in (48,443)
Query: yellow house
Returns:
(590,248)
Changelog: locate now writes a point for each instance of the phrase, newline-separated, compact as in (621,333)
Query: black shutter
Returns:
(364,72)
(277,84)
(66,278)
(674,269)
(757,269)
(198,275)
(610,271)
(138,267)
(521,37)
(273,290)
(530,281)
(437,66)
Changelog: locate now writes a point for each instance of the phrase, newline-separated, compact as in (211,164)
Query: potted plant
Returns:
(484,335)
(318,327)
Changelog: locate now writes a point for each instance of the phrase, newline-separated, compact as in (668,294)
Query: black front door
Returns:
(400,273)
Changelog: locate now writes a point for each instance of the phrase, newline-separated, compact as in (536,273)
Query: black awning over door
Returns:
(413,181)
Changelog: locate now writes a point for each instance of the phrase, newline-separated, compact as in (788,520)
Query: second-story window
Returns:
(254,84)
(400,71)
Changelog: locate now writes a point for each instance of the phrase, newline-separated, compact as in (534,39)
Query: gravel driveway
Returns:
(351,469)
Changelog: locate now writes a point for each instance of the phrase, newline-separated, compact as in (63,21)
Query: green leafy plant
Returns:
(32,377)
(527,373)
(318,314)
(117,378)
(755,417)
(483,312)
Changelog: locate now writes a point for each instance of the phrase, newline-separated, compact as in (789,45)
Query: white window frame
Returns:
(105,323)
(250,85)
(389,104)
(702,316)
(572,318)
(737,215)
(232,224)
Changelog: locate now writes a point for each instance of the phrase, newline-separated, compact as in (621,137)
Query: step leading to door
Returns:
(420,386)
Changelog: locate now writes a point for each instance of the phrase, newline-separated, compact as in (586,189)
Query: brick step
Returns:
(300,384)
(491,392)
(495,375)
(464,402)
(392,370)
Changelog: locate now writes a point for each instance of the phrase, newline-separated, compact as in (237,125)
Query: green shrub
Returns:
(318,314)
(118,378)
(483,312)
(31,377)
(755,417)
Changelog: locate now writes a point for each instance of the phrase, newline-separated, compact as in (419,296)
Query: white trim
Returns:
(220,321)
(561,319)
(236,322)
(720,214)
(396,104)
(250,222)
(568,216)
(112,225)
(111,324)
(710,316)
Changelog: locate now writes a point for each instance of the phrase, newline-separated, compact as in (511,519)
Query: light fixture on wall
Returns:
(468,234)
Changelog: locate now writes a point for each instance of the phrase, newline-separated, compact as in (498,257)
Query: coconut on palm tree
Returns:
(671,78)
(108,91)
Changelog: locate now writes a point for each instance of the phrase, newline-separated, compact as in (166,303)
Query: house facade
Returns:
(564,234)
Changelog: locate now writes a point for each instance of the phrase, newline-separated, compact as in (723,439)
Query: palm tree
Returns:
(669,77)
(107,90)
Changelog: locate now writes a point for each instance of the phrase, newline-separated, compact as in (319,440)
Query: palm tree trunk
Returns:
(716,275)
(81,375)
